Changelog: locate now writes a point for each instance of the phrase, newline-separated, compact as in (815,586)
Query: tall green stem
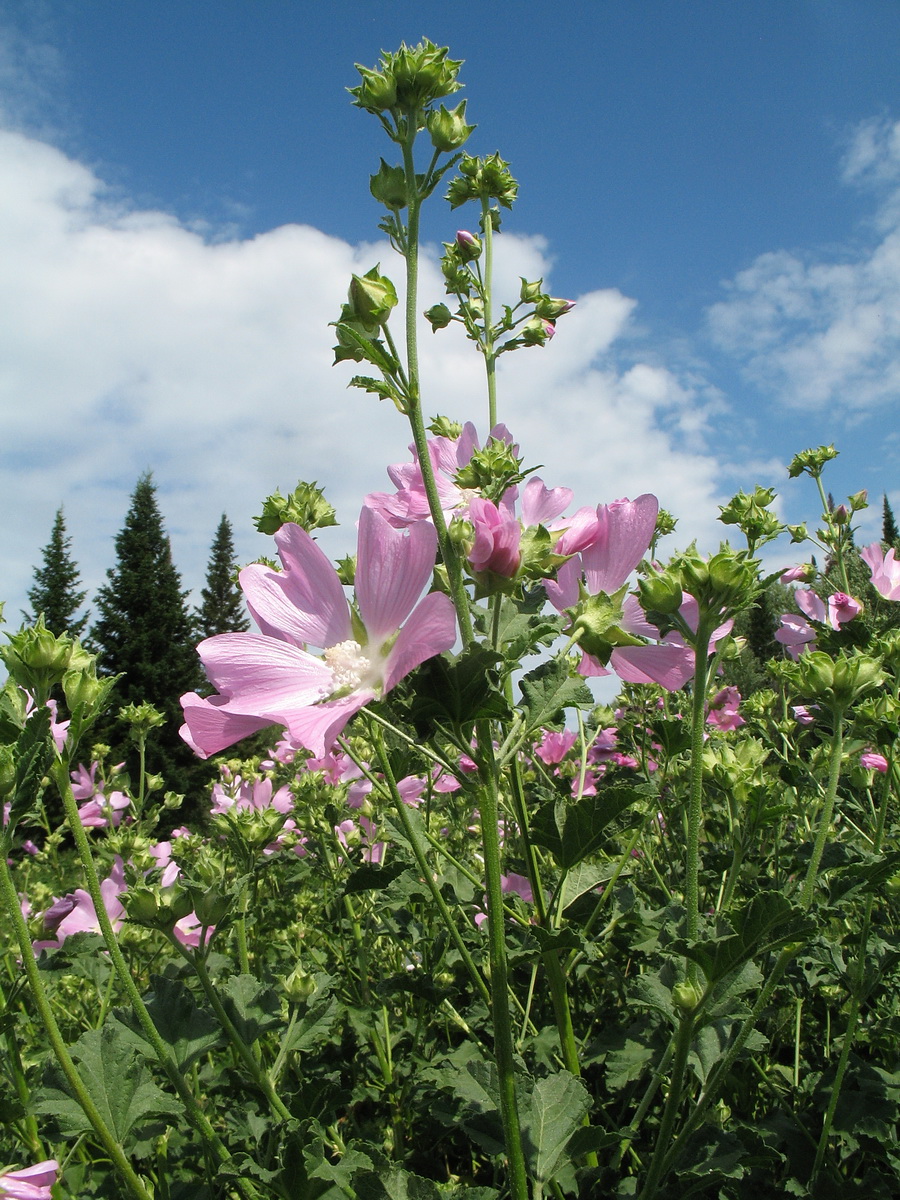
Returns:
(827,811)
(132,1181)
(695,796)
(194,1112)
(490,358)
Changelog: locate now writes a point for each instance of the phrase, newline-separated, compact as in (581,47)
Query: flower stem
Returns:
(194,1112)
(490,357)
(132,1181)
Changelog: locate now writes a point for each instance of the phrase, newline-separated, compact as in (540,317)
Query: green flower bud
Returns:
(439,316)
(859,500)
(469,246)
(299,985)
(686,996)
(530,293)
(812,462)
(448,130)
(371,298)
(142,718)
(210,906)
(550,309)
(798,533)
(661,593)
(377,93)
(479,178)
(388,187)
(537,332)
(444,427)
(422,74)
(306,506)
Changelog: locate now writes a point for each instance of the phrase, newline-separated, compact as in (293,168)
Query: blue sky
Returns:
(184,193)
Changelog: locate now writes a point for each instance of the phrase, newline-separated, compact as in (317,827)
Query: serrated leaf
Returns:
(559,1102)
(33,752)
(523,624)
(572,832)
(584,877)
(378,387)
(768,922)
(314,1027)
(455,691)
(253,1007)
(187,1029)
(548,690)
(117,1080)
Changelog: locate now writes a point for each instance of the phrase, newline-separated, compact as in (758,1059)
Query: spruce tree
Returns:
(890,533)
(222,610)
(144,632)
(55,592)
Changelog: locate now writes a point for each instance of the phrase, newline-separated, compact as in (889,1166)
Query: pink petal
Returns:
(392,569)
(668,665)
(209,729)
(626,529)
(562,592)
(318,726)
(541,505)
(316,611)
(260,675)
(430,630)
(810,604)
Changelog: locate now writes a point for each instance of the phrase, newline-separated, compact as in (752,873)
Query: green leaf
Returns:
(559,1102)
(584,877)
(523,624)
(378,387)
(572,832)
(455,691)
(189,1030)
(253,1007)
(314,1027)
(768,922)
(548,690)
(116,1079)
(33,753)
(369,877)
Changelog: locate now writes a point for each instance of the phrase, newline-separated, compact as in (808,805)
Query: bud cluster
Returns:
(306,506)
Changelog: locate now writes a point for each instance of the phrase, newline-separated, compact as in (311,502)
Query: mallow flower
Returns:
(271,678)
(30,1183)
(885,569)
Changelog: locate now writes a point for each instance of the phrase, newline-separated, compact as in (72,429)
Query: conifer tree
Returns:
(222,610)
(144,631)
(890,533)
(56,593)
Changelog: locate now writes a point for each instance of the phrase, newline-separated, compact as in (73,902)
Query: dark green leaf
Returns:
(455,691)
(559,1102)
(253,1007)
(33,753)
(188,1029)
(572,832)
(548,690)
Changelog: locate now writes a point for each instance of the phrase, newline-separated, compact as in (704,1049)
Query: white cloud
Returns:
(821,332)
(130,342)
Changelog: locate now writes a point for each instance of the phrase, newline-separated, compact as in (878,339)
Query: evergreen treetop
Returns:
(144,629)
(222,610)
(890,533)
(56,591)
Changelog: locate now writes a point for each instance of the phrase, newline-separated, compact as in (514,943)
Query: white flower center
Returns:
(348,665)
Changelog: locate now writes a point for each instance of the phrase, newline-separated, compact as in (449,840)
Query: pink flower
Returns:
(796,634)
(270,678)
(497,537)
(30,1183)
(257,794)
(873,761)
(885,570)
(802,714)
(554,746)
(723,709)
(801,574)
(75,913)
(517,885)
(101,811)
(841,609)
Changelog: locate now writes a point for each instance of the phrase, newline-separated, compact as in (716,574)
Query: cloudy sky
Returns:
(184,195)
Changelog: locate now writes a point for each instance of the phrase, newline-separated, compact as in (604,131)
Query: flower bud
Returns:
(439,316)
(448,130)
(661,594)
(210,906)
(537,332)
(371,298)
(469,245)
(550,309)
(812,462)
(376,93)
(859,500)
(686,996)
(299,985)
(840,514)
(530,293)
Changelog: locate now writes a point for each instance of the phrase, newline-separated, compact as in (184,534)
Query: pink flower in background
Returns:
(554,746)
(270,678)
(841,609)
(30,1183)
(885,570)
(251,794)
(103,810)
(802,714)
(723,710)
(796,634)
(75,913)
(873,761)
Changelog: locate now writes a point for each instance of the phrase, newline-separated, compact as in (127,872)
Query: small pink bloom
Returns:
(796,634)
(517,885)
(885,570)
(497,537)
(102,811)
(75,913)
(841,609)
(873,761)
(723,709)
(802,714)
(554,746)
(30,1183)
(799,574)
